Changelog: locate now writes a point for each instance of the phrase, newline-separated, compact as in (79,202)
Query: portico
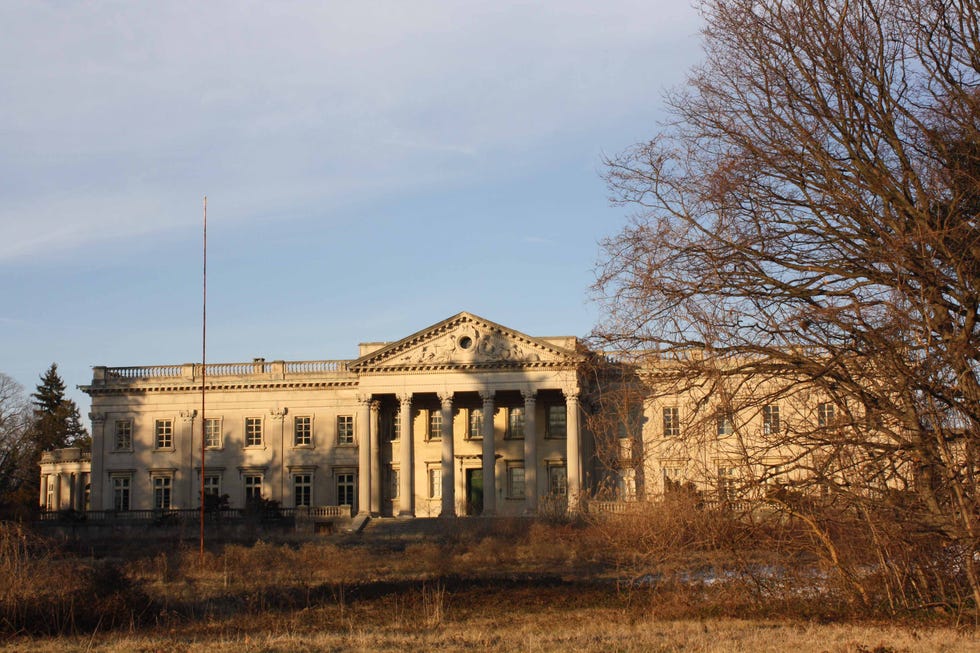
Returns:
(465,394)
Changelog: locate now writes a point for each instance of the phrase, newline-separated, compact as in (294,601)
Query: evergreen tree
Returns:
(57,422)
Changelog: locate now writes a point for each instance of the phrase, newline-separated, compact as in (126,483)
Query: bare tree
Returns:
(808,219)
(17,469)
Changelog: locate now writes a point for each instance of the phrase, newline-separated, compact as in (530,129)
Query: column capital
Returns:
(375,405)
(364,397)
(446,397)
(404,398)
(188,415)
(571,394)
(487,395)
(97,418)
(278,414)
(530,396)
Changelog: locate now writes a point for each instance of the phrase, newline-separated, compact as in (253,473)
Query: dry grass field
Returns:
(478,585)
(581,630)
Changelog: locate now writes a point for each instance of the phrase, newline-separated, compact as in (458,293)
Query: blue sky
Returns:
(371,168)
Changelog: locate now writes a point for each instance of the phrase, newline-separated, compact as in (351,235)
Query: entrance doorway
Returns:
(474,491)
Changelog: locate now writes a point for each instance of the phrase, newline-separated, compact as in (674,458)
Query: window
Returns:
(396,425)
(476,423)
(345,429)
(345,489)
(435,482)
(302,490)
(673,476)
(120,492)
(726,483)
(825,414)
(515,423)
(557,421)
(672,421)
(770,419)
(435,424)
(124,435)
(164,434)
(162,490)
(253,487)
(212,433)
(49,501)
(253,431)
(303,431)
(557,480)
(725,424)
(212,485)
(392,483)
(515,480)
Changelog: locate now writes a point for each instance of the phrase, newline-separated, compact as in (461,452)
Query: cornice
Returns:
(266,385)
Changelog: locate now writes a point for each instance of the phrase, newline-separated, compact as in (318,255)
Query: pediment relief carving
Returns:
(468,344)
(465,340)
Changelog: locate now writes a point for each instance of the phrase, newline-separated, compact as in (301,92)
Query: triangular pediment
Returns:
(465,340)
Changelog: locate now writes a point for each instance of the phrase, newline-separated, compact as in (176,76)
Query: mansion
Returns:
(465,417)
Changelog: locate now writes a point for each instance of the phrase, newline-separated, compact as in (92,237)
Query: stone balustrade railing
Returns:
(258,368)
(67,455)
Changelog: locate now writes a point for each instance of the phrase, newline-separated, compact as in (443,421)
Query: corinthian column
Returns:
(489,455)
(363,455)
(448,480)
(573,445)
(406,486)
(530,452)
(375,459)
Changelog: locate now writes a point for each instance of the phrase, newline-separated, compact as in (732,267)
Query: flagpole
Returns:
(204,341)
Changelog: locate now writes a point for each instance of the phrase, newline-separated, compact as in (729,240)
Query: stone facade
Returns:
(464,417)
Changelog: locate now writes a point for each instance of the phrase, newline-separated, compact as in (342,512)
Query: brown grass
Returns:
(488,584)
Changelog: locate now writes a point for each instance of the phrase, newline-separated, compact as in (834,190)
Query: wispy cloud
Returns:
(114,115)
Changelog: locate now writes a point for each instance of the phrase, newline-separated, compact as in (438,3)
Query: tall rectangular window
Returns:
(435,482)
(396,425)
(120,492)
(515,422)
(162,490)
(770,419)
(672,475)
(49,501)
(475,429)
(672,421)
(557,424)
(725,425)
(253,487)
(345,489)
(825,414)
(253,431)
(515,481)
(303,490)
(164,434)
(212,485)
(124,435)
(557,480)
(726,483)
(435,424)
(212,433)
(303,431)
(345,429)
